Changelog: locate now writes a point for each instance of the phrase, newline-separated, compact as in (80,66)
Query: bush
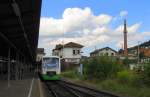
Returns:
(101,67)
(127,61)
(146,74)
(70,74)
(129,77)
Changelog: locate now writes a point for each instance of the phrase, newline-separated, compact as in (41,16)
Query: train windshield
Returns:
(50,62)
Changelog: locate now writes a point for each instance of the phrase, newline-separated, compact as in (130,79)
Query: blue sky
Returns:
(137,12)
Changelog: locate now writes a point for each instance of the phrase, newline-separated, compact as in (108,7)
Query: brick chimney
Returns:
(125,39)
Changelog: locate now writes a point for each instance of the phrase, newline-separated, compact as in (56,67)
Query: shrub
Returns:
(101,67)
(146,74)
(129,77)
(127,61)
(69,74)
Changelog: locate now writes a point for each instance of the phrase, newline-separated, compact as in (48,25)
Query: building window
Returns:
(112,54)
(106,54)
(78,51)
(74,52)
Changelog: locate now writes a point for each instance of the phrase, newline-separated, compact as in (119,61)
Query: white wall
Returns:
(107,51)
(39,57)
(104,51)
(68,53)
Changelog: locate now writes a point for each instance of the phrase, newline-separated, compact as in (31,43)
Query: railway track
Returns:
(57,90)
(67,89)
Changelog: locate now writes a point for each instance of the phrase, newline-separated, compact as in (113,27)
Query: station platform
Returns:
(29,86)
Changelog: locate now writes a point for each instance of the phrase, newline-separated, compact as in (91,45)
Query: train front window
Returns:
(51,62)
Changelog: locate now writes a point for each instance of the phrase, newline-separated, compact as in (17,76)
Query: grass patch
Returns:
(70,74)
(124,89)
(111,85)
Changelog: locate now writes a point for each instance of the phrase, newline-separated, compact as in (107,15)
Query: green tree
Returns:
(102,67)
(146,73)
(141,55)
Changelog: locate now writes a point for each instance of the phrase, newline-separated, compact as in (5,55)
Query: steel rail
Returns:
(55,92)
(87,94)
(51,90)
(81,88)
(70,90)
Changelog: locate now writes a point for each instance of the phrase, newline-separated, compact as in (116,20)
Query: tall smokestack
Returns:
(125,39)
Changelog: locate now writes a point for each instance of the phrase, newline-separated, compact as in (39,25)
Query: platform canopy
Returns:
(19,27)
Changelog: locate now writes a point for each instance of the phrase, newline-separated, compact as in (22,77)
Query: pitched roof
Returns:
(19,27)
(59,46)
(96,51)
(142,45)
(72,44)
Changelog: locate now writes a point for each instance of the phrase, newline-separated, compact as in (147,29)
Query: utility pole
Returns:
(138,52)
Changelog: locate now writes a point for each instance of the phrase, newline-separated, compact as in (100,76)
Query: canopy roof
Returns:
(19,27)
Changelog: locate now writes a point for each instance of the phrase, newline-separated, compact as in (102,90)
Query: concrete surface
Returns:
(30,86)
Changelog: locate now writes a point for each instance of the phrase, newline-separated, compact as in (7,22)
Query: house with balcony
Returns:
(69,52)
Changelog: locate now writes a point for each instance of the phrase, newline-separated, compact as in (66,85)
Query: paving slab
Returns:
(28,87)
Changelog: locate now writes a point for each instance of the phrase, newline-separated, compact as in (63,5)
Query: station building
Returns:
(70,52)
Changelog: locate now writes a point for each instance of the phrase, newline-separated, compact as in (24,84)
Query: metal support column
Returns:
(1,68)
(9,67)
(19,63)
(16,66)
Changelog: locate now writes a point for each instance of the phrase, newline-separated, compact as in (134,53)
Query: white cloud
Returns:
(123,13)
(131,29)
(134,28)
(50,26)
(82,26)
(73,19)
(120,44)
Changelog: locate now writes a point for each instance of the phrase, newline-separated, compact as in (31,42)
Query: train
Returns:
(51,68)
